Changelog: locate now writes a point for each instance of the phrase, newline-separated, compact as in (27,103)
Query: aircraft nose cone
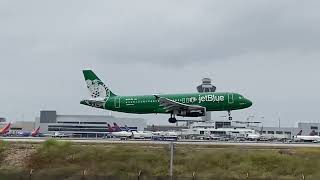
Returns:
(249,103)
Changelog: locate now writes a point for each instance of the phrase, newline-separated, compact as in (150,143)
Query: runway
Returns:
(180,142)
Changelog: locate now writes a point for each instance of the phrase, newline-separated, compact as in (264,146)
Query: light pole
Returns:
(171,159)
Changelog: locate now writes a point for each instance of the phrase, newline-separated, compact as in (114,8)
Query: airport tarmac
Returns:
(180,142)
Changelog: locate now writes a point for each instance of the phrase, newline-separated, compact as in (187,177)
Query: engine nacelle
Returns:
(194,113)
(172,120)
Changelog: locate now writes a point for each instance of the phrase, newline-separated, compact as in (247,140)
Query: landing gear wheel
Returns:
(230,118)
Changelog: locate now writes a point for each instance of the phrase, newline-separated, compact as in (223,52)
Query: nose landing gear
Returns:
(229,114)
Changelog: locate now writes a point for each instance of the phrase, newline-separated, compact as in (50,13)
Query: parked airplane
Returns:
(5,129)
(186,105)
(311,138)
(33,133)
(134,134)
(117,132)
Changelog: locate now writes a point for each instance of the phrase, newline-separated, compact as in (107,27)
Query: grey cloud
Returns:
(163,32)
(246,46)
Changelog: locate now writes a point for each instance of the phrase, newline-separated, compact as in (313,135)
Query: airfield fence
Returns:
(92,177)
(28,176)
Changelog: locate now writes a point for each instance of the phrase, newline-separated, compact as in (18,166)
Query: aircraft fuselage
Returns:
(150,104)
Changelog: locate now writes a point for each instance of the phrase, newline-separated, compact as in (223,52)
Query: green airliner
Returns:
(186,105)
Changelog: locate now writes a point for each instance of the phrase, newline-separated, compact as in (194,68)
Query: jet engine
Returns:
(192,113)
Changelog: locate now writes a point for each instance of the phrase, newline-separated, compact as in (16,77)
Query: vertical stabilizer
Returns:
(313,133)
(116,127)
(95,86)
(299,133)
(35,132)
(110,129)
(5,129)
(126,128)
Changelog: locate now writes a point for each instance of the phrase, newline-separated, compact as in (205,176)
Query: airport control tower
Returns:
(206,86)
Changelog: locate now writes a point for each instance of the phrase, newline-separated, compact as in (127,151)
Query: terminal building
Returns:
(289,132)
(2,119)
(83,125)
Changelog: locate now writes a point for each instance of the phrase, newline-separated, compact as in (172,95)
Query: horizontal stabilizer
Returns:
(97,102)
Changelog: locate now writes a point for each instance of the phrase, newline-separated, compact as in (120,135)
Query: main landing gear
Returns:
(172,119)
(229,115)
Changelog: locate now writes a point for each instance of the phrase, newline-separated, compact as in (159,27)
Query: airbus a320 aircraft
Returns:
(186,105)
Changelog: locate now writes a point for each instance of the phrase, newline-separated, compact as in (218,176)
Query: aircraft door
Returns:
(230,98)
(117,102)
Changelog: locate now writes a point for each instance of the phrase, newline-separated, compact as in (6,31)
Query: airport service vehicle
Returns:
(165,136)
(214,134)
(185,105)
(311,138)
(142,134)
(5,129)
(60,135)
(275,137)
(33,133)
(253,136)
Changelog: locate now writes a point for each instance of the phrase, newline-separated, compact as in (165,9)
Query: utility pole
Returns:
(279,122)
(171,159)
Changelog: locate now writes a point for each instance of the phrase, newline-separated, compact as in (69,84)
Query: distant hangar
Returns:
(83,125)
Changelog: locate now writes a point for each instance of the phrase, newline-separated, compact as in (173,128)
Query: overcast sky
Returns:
(269,51)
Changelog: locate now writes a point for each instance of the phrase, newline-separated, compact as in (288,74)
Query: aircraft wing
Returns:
(171,106)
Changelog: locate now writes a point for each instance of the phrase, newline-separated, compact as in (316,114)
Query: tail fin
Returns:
(96,87)
(5,129)
(35,132)
(313,133)
(126,128)
(116,127)
(110,128)
(299,133)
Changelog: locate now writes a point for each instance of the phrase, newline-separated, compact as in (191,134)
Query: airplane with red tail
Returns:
(5,129)
(312,137)
(33,133)
(116,131)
